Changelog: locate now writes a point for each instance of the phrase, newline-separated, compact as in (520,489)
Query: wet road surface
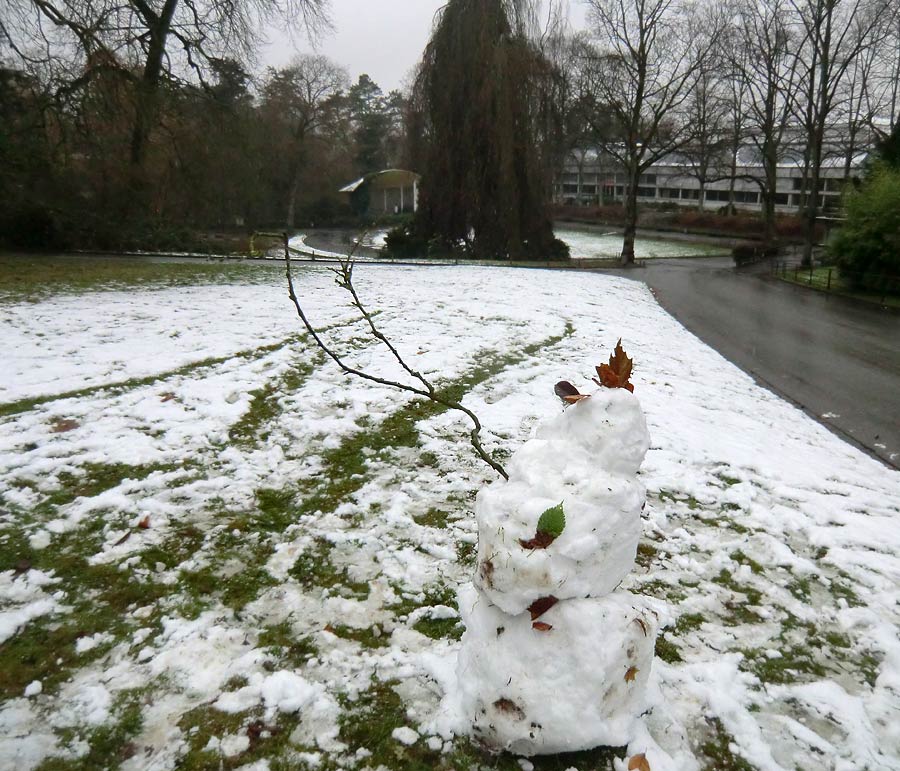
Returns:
(837,359)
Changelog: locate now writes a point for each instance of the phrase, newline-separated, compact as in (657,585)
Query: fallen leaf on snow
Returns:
(540,626)
(63,425)
(631,674)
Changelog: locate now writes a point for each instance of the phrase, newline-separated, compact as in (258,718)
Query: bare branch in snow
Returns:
(344,275)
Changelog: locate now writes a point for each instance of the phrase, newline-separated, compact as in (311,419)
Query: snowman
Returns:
(555,658)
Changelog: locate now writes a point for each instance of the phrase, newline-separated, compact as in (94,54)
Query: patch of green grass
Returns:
(265,404)
(667,650)
(109,745)
(792,666)
(667,496)
(689,622)
(841,589)
(727,480)
(661,589)
(646,554)
(440,628)
(286,646)
(818,279)
(466,553)
(100,597)
(740,612)
(29,277)
(314,569)
(436,518)
(717,753)
(800,588)
(367,637)
(742,559)
(204,723)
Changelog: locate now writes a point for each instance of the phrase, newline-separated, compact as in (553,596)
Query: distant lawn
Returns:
(33,276)
(828,279)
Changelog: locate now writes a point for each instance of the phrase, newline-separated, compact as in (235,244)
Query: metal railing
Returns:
(839,280)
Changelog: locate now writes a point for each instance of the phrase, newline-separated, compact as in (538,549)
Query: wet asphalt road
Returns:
(837,359)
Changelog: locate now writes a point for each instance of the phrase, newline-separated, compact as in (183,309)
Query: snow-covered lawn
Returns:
(219,552)
(591,243)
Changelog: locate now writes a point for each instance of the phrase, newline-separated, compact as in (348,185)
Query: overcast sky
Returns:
(383,38)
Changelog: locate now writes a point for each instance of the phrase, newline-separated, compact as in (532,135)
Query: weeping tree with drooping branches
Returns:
(480,102)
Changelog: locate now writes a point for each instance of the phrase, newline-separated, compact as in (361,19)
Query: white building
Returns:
(591,177)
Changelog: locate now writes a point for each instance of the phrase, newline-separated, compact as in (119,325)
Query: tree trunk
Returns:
(770,162)
(627,258)
(148,87)
(812,199)
(290,218)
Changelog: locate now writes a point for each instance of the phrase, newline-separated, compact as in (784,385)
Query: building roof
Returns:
(386,173)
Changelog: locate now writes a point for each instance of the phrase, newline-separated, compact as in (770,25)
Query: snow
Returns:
(563,690)
(733,474)
(585,458)
(33,689)
(405,735)
(590,243)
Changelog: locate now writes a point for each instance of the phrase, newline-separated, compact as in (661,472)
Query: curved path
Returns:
(837,359)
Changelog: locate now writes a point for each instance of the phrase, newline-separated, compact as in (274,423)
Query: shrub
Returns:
(867,248)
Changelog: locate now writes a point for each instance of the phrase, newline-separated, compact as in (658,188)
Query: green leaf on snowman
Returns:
(550,527)
(553,521)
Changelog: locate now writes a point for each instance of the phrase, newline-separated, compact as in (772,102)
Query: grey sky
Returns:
(383,38)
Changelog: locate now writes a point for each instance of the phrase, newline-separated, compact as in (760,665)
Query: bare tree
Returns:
(648,55)
(146,42)
(709,112)
(764,60)
(302,99)
(835,33)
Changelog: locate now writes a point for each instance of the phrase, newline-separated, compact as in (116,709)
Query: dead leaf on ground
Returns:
(540,626)
(62,425)
(631,674)
(642,624)
(639,763)
(168,396)
(144,524)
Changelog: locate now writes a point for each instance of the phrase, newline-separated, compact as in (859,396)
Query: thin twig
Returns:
(345,280)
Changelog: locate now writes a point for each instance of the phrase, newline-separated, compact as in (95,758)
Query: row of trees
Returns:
(126,123)
(794,80)
(124,112)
